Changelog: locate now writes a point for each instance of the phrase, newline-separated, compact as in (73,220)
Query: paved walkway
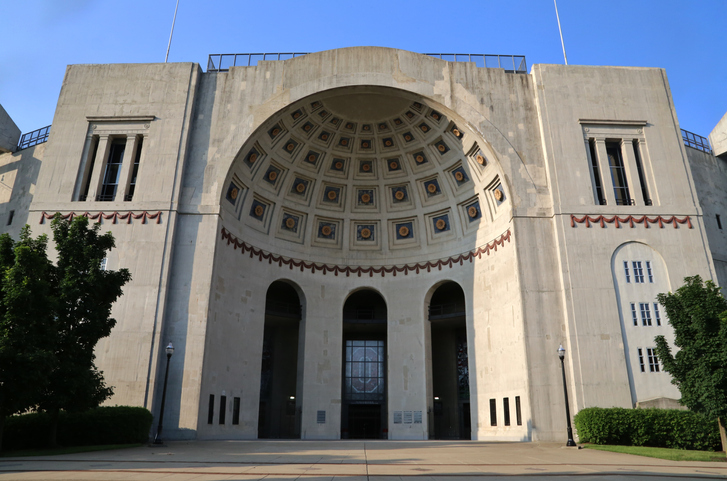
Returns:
(354,461)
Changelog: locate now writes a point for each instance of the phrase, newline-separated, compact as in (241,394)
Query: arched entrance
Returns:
(279,415)
(450,417)
(363,413)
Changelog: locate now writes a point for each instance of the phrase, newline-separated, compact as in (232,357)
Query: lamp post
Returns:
(158,437)
(561,355)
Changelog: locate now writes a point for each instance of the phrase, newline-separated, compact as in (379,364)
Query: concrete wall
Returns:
(9,132)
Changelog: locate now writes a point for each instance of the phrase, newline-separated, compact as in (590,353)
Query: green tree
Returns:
(698,313)
(27,323)
(85,293)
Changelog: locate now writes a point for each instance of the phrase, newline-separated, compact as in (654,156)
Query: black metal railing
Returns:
(511,63)
(34,138)
(221,62)
(446,310)
(696,141)
(283,309)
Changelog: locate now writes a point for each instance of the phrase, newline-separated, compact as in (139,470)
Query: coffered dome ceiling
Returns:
(364,176)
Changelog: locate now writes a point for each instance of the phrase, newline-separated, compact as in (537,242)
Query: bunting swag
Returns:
(371,270)
(630,220)
(114,216)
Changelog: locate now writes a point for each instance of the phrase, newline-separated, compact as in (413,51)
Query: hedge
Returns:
(660,428)
(103,425)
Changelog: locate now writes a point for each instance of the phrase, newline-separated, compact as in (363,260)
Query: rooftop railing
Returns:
(221,62)
(34,138)
(696,141)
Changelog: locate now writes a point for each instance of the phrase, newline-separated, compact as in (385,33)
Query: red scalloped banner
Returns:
(348,270)
(630,220)
(114,216)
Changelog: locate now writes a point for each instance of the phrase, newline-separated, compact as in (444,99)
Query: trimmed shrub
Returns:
(103,425)
(659,428)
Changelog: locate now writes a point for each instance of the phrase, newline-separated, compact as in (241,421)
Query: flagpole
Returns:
(559,30)
(172,32)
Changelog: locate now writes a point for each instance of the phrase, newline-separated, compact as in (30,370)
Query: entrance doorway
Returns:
(279,414)
(450,416)
(363,413)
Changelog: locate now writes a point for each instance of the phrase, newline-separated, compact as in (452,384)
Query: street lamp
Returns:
(561,355)
(158,437)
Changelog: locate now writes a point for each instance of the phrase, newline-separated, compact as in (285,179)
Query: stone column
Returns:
(632,173)
(99,166)
(127,167)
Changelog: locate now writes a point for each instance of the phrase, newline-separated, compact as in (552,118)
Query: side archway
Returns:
(282,354)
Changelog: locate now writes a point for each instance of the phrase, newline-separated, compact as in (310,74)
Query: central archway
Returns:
(364,410)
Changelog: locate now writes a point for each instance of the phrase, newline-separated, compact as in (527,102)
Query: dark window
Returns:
(518,413)
(641,359)
(135,170)
(493,412)
(653,361)
(506,410)
(10,217)
(223,408)
(364,371)
(113,170)
(211,410)
(618,173)
(657,316)
(600,199)
(719,222)
(89,171)
(236,410)
(640,170)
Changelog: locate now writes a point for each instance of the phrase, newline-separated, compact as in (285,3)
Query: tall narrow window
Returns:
(638,272)
(653,361)
(223,408)
(211,410)
(113,170)
(600,198)
(618,173)
(649,273)
(493,412)
(633,314)
(10,217)
(626,270)
(518,411)
(640,170)
(657,316)
(645,314)
(134,171)
(641,360)
(719,223)
(506,410)
(236,410)
(89,170)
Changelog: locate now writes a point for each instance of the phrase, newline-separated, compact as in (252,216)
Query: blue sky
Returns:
(687,38)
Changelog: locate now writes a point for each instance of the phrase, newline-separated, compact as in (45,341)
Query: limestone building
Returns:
(373,243)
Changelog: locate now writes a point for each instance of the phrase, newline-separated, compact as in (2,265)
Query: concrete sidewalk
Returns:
(354,460)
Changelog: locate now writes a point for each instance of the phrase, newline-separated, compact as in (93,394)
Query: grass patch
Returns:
(66,450)
(662,453)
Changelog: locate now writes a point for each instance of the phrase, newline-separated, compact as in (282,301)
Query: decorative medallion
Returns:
(335,121)
(435,115)
(408,137)
(337,165)
(442,148)
(399,194)
(272,174)
(420,158)
(498,194)
(316,104)
(366,166)
(290,146)
(331,194)
(365,233)
(300,187)
(297,114)
(409,114)
(417,106)
(481,159)
(432,187)
(366,128)
(323,114)
(275,131)
(383,126)
(290,223)
(233,192)
(365,144)
(326,230)
(388,142)
(472,212)
(441,223)
(308,127)
(324,136)
(349,126)
(344,141)
(365,198)
(459,176)
(424,128)
(394,165)
(257,210)
(404,231)
(312,157)
(397,121)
